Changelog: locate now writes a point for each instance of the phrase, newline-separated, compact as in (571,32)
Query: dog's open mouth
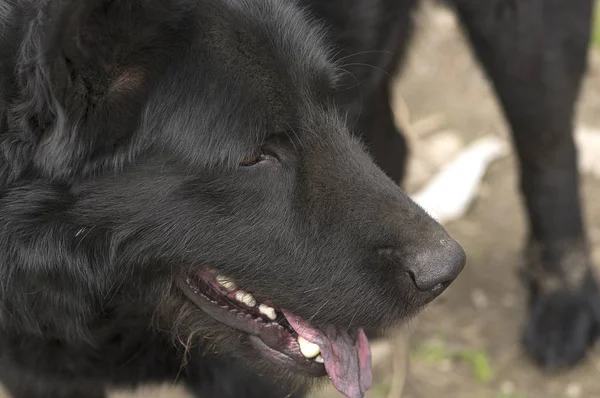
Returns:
(283,337)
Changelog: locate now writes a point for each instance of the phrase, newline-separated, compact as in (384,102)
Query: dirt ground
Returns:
(465,345)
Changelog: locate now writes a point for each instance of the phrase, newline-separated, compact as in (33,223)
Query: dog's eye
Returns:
(255,159)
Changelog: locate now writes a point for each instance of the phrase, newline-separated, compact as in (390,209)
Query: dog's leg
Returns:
(378,129)
(370,46)
(535,53)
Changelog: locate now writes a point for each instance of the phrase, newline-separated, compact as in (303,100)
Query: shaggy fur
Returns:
(143,141)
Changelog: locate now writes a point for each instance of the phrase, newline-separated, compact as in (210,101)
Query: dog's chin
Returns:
(268,331)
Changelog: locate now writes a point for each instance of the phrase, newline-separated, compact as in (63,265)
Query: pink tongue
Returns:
(347,358)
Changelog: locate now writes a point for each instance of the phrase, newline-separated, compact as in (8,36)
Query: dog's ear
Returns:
(93,64)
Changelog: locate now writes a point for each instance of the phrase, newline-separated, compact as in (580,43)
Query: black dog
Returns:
(159,156)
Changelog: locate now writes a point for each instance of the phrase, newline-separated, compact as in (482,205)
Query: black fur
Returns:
(145,140)
(125,133)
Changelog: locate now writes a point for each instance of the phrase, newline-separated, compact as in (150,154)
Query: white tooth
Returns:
(245,298)
(308,349)
(226,282)
(319,359)
(269,312)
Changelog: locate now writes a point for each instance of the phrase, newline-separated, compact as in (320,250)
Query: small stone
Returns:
(446,365)
(442,147)
(480,299)
(444,19)
(507,388)
(573,390)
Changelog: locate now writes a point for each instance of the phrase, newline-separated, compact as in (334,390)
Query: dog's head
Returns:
(184,161)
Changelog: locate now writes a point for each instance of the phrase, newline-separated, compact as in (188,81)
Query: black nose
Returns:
(438,265)
(433,266)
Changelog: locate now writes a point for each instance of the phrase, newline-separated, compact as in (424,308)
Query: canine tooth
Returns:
(319,359)
(245,298)
(226,282)
(269,312)
(308,349)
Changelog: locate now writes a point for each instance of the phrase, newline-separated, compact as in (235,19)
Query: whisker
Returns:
(369,66)
(320,308)
(365,52)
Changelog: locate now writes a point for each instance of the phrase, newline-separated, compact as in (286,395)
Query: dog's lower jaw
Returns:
(283,337)
(268,331)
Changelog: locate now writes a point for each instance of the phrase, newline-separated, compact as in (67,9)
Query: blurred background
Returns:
(466,344)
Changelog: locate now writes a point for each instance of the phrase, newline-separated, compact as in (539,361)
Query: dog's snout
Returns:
(433,267)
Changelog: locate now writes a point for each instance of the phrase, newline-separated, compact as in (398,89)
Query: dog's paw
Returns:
(560,328)
(564,312)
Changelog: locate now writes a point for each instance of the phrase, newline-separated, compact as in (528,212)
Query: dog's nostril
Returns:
(412,276)
(440,287)
(439,266)
(435,290)
(435,267)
